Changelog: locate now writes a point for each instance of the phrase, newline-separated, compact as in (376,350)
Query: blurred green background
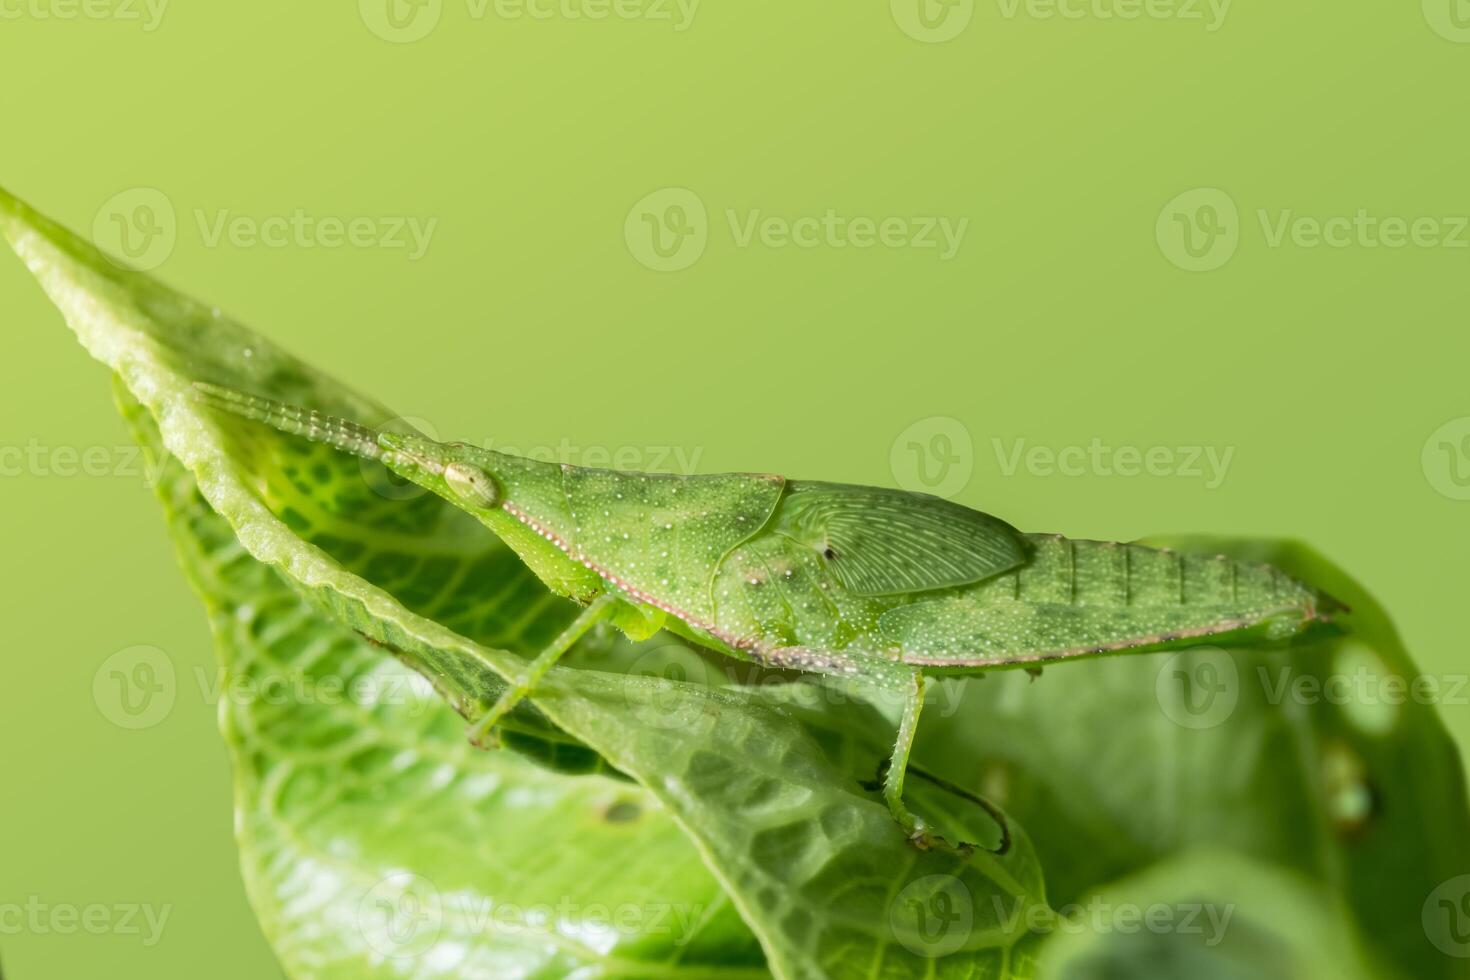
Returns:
(610,262)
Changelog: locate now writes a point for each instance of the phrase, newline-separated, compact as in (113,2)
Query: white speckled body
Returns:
(827,577)
(721,556)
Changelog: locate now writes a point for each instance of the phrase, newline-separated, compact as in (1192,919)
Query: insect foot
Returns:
(924,839)
(954,825)
(483,738)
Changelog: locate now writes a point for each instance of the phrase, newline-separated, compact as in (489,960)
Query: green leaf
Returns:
(770,793)
(1318,758)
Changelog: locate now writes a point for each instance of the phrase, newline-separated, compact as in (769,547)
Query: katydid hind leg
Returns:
(601,608)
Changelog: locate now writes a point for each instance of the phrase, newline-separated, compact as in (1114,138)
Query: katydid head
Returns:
(454,471)
(451,470)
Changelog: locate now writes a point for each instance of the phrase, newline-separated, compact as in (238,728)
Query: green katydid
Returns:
(878,586)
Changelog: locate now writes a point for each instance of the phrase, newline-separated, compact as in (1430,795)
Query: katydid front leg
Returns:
(600,609)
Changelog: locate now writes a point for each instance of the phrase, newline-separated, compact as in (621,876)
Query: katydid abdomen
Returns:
(1068,599)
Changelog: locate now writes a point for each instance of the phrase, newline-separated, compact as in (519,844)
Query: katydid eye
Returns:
(471,485)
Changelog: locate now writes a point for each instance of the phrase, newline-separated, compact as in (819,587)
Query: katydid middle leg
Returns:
(898,763)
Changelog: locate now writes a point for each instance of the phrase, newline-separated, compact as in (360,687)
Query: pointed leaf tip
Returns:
(16,218)
(10,209)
